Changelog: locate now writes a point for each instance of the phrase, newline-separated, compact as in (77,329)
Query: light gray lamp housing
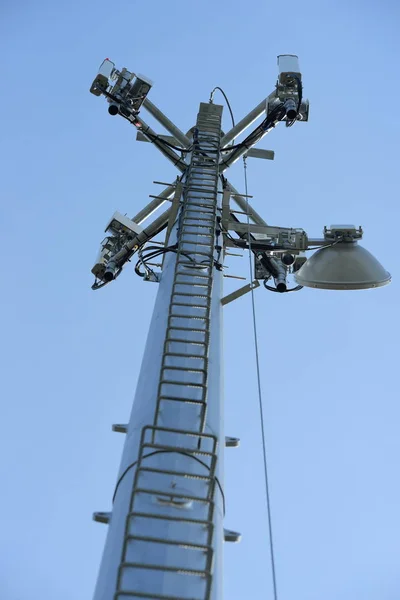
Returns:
(342,266)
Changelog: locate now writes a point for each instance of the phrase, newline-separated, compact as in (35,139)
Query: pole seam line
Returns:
(266,478)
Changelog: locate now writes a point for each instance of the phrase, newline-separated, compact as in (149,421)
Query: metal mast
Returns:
(166,530)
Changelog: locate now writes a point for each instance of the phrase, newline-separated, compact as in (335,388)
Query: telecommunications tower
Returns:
(165,531)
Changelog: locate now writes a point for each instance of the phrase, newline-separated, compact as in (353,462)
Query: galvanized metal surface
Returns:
(166,531)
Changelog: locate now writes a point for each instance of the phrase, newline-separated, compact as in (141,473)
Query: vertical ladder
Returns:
(181,499)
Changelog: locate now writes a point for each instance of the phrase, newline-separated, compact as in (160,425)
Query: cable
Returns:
(160,139)
(226,100)
(150,135)
(269,122)
(157,251)
(267,493)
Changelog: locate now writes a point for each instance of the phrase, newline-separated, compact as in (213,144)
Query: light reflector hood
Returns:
(344,266)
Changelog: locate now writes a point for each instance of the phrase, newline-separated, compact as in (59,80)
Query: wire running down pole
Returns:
(260,403)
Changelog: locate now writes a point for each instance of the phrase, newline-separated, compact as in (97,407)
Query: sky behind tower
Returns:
(70,357)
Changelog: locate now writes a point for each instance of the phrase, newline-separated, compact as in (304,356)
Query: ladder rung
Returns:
(194,282)
(209,221)
(209,216)
(199,215)
(170,518)
(201,233)
(179,449)
(204,164)
(200,158)
(212,189)
(198,289)
(195,295)
(177,315)
(145,595)
(197,225)
(187,238)
(194,303)
(201,203)
(198,171)
(182,355)
(174,335)
(183,245)
(205,309)
(185,263)
(163,398)
(205,199)
(195,572)
(201,175)
(192,343)
(184,383)
(206,285)
(194,273)
(203,183)
(152,492)
(192,378)
(181,361)
(203,299)
(206,478)
(188,432)
(190,545)
(189,329)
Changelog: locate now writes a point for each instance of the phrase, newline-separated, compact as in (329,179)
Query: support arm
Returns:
(165,122)
(162,146)
(243,205)
(245,122)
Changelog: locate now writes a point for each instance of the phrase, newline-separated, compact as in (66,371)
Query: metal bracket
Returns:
(260,153)
(267,230)
(231,442)
(232,536)
(102,517)
(240,292)
(140,137)
(153,277)
(120,428)
(176,200)
(225,208)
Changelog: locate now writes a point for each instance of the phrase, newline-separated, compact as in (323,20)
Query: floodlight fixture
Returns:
(342,264)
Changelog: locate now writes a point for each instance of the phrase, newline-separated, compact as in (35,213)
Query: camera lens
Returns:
(113,109)
(288,259)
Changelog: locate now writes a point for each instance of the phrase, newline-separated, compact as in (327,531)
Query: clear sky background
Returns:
(70,357)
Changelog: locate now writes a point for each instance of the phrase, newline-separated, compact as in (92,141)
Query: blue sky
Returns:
(71,356)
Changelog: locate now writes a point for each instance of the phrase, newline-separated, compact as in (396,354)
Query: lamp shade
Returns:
(344,266)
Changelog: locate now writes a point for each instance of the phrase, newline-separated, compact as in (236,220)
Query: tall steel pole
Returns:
(166,533)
